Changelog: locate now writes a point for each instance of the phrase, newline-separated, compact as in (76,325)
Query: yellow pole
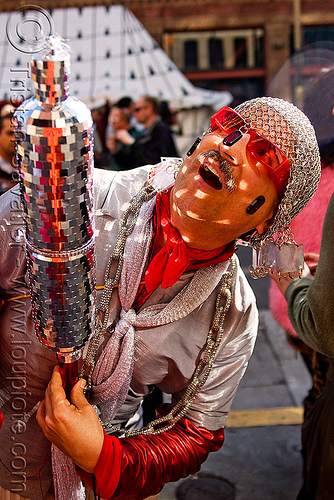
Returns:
(297,42)
(297,39)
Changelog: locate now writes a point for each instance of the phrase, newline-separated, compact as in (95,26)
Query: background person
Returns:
(100,120)
(120,141)
(128,103)
(157,141)
(168,114)
(310,307)
(8,173)
(307,226)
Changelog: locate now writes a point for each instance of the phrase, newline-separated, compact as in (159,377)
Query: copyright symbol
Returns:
(27,28)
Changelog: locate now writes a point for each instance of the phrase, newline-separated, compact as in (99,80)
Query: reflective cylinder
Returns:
(54,144)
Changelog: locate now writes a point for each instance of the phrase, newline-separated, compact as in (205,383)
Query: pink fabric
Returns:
(307,229)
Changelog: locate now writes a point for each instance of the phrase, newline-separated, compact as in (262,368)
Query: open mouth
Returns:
(210,176)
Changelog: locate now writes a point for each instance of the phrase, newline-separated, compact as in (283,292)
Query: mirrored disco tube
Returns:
(54,142)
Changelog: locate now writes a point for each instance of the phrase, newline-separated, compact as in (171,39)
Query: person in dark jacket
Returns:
(157,140)
(310,309)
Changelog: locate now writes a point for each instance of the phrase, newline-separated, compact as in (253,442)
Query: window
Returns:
(205,50)
(190,54)
(240,51)
(313,34)
(216,56)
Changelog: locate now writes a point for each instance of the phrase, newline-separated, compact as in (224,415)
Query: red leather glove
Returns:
(148,462)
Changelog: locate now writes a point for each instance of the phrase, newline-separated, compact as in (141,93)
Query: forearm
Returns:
(148,462)
(299,311)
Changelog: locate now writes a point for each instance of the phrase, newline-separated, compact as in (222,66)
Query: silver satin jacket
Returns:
(165,355)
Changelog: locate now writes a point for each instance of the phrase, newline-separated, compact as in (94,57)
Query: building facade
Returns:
(237,45)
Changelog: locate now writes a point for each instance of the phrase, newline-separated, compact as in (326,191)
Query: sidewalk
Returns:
(261,454)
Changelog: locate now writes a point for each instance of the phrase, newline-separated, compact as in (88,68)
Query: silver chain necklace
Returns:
(213,340)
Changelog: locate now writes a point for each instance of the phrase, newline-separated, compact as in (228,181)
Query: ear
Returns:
(264,226)
(194,146)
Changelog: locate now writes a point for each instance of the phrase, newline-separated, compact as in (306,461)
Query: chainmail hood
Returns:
(286,126)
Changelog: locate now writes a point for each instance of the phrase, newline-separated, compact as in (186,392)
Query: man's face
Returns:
(7,138)
(142,111)
(217,183)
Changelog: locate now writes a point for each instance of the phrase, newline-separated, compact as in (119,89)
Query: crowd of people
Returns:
(181,310)
(127,134)
(135,133)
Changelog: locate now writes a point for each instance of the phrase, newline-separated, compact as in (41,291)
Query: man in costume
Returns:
(176,311)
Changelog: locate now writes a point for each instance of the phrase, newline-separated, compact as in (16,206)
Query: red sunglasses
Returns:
(264,151)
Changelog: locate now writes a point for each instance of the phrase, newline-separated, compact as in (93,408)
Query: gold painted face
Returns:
(217,183)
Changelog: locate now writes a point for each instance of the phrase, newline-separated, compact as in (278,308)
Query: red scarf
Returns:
(168,263)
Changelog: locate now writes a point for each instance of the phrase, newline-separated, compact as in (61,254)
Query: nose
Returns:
(233,147)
